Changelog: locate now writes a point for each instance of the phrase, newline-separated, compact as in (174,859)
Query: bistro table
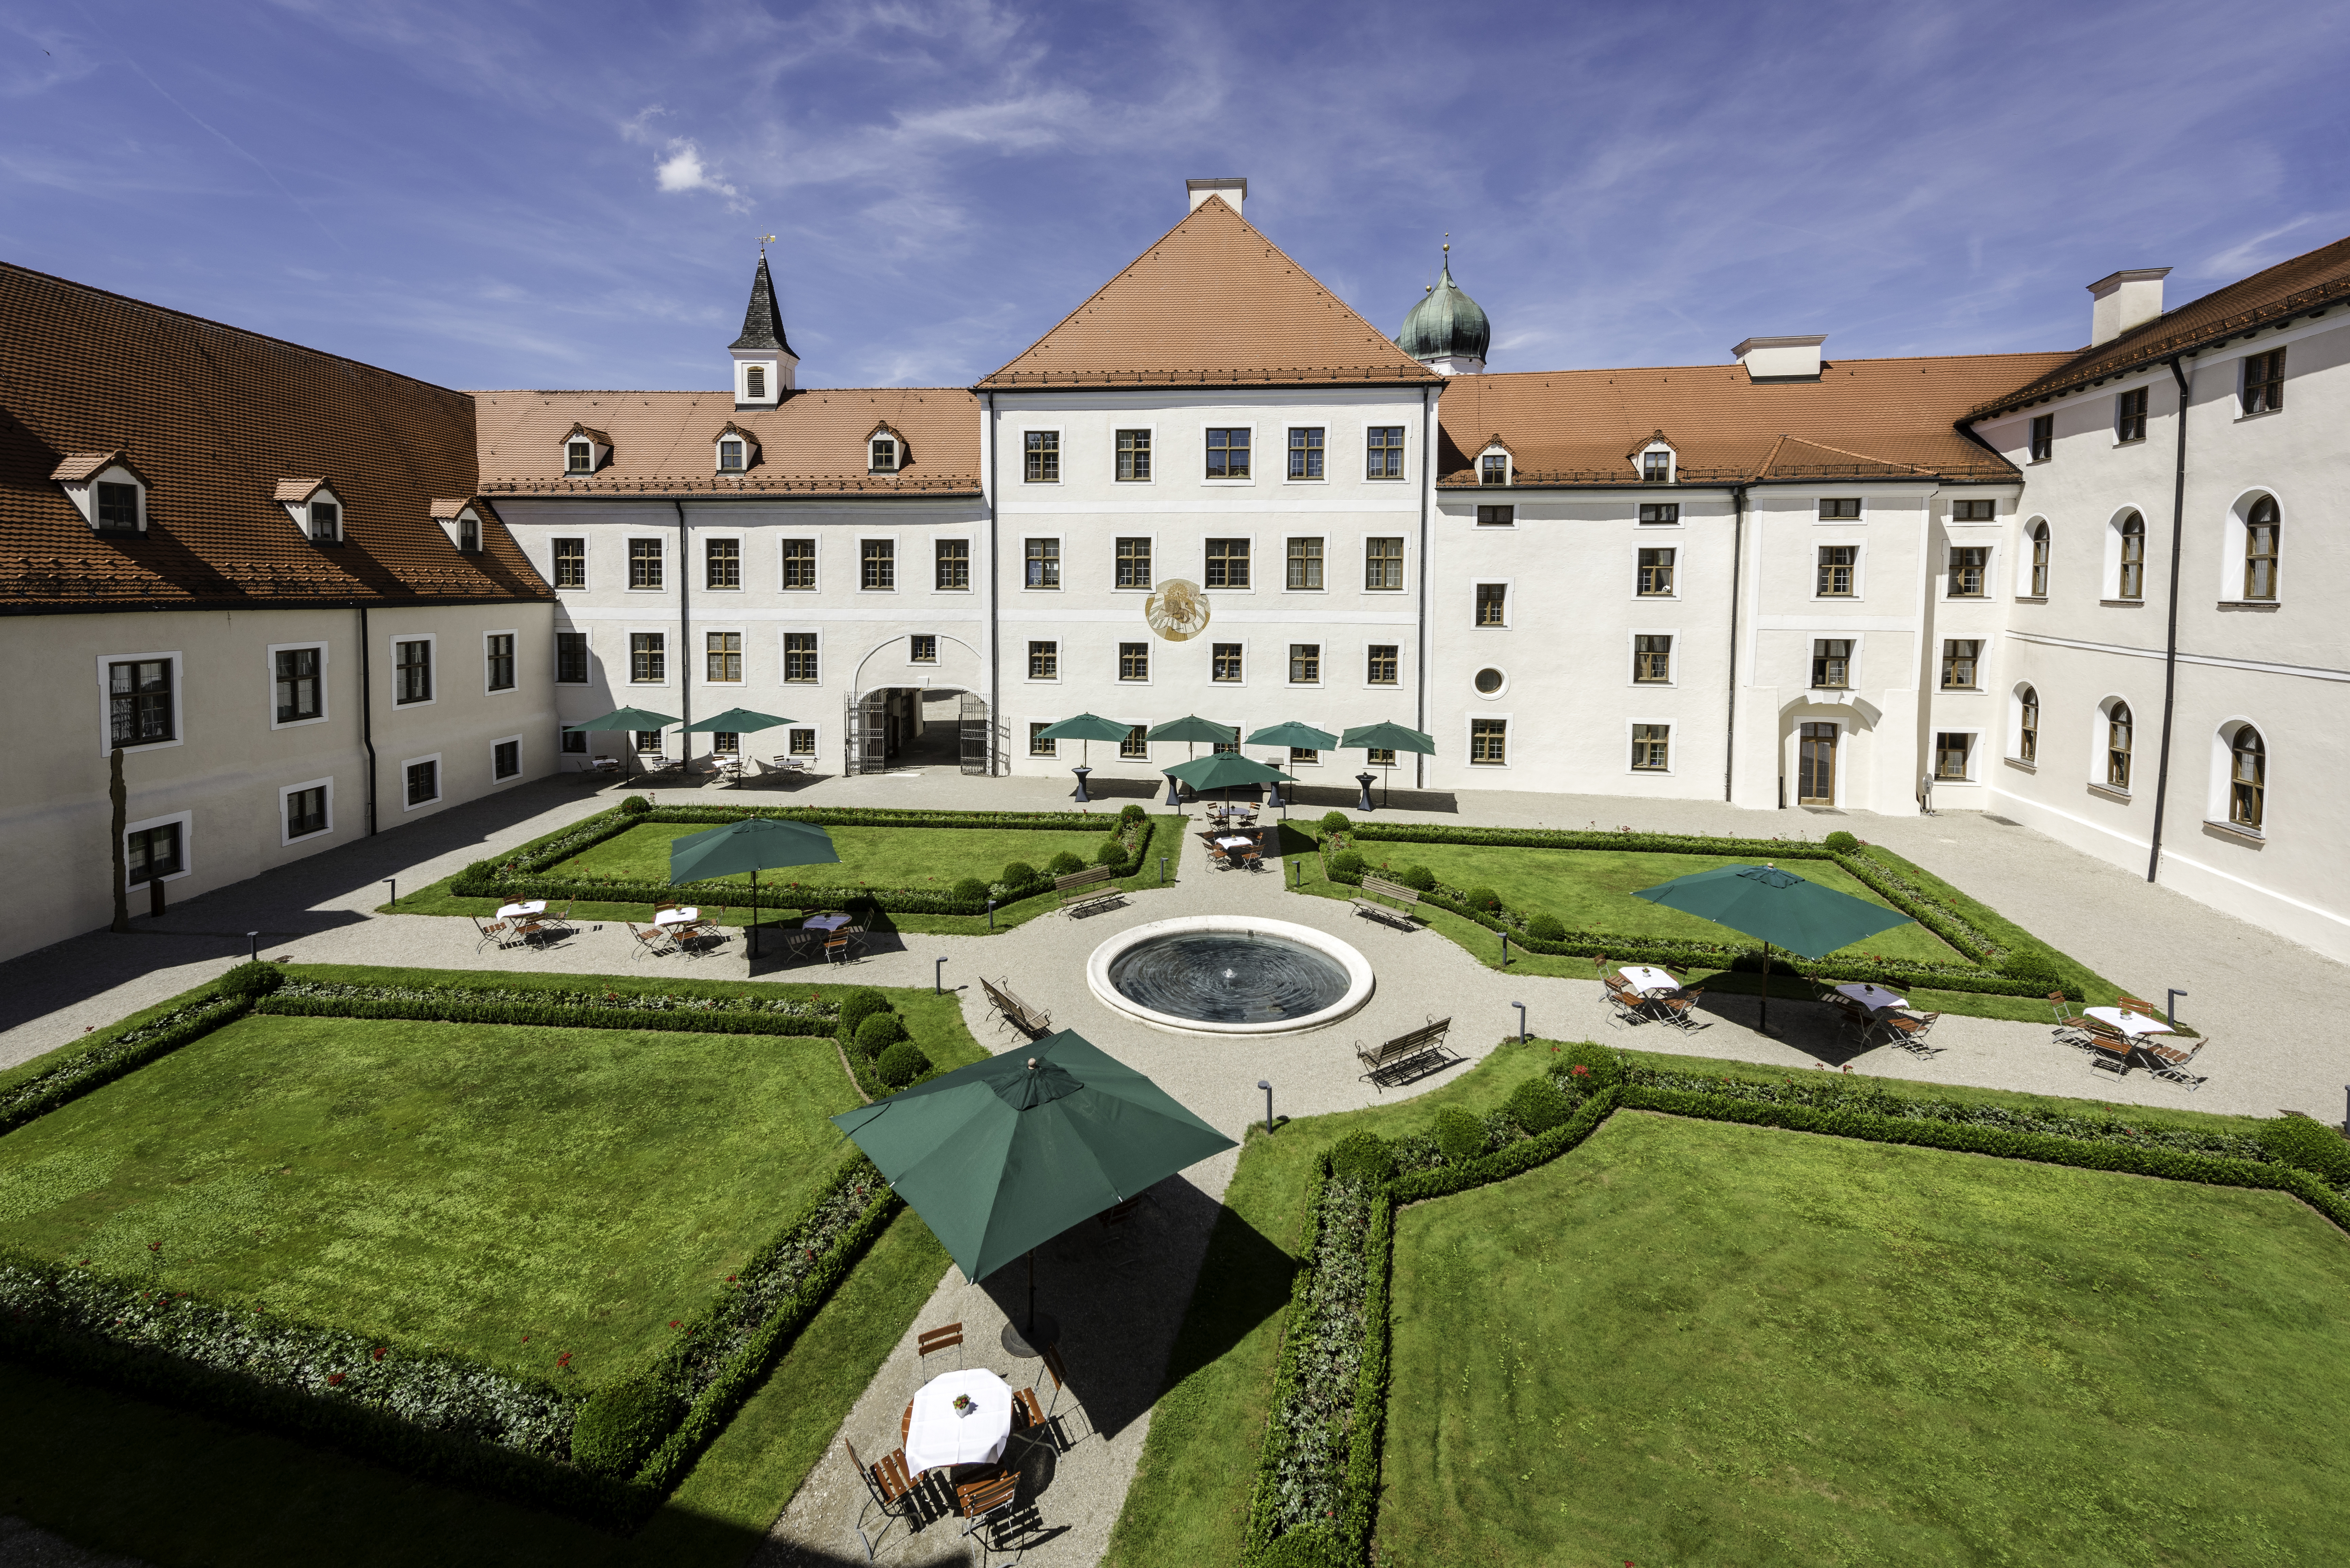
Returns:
(825,923)
(686,916)
(1646,979)
(515,911)
(2137,1025)
(1874,997)
(936,1436)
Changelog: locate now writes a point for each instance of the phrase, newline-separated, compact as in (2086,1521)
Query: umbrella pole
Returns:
(1763,1026)
(755,909)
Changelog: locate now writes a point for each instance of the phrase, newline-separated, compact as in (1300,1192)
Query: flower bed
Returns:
(555,1009)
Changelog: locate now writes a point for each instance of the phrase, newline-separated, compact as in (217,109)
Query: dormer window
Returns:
(884,455)
(754,382)
(118,508)
(580,457)
(1494,468)
(326,522)
(469,534)
(730,456)
(110,495)
(461,521)
(314,508)
(1656,467)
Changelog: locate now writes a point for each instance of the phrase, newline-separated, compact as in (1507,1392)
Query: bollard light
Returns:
(1506,950)
(1521,1021)
(991,917)
(1266,1085)
(2171,1005)
(254,937)
(936,969)
(392,883)
(1162,870)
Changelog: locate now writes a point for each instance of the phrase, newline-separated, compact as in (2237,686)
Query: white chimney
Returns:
(1780,359)
(2125,300)
(1232,188)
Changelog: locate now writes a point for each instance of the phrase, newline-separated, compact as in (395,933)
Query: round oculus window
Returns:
(1489,681)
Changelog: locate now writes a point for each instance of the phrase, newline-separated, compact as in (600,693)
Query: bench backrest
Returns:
(1418,1039)
(1379,887)
(1085,878)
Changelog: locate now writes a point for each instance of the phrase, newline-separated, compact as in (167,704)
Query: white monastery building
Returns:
(2082,589)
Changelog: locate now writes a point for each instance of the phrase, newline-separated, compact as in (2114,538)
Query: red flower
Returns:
(672,1322)
(334,1379)
(379,1352)
(526,1339)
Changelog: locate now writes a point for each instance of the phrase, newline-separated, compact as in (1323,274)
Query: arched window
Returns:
(2040,560)
(2261,549)
(2248,773)
(2132,585)
(2027,733)
(2117,746)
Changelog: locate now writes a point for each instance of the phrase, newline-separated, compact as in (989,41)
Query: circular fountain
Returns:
(1229,974)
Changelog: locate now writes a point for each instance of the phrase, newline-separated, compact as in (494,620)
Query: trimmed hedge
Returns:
(463,1004)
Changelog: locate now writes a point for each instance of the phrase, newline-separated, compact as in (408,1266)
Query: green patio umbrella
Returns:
(735,722)
(1086,728)
(1222,770)
(1191,729)
(1305,737)
(1386,737)
(1001,1155)
(1778,907)
(625,719)
(755,845)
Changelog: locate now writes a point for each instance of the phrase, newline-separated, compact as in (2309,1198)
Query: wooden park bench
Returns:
(1397,909)
(1411,1054)
(1032,1021)
(1083,890)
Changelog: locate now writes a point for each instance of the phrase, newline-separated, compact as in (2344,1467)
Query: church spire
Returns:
(765,365)
(763,324)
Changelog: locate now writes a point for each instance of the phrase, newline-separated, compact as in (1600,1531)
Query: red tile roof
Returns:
(1212,304)
(213,419)
(1863,419)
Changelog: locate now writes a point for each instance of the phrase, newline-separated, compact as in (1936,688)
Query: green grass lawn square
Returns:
(457,1186)
(1697,1343)
(920,857)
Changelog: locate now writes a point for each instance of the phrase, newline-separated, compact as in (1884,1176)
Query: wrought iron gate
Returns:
(974,734)
(865,733)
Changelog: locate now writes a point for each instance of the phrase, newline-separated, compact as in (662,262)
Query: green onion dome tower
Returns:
(1446,331)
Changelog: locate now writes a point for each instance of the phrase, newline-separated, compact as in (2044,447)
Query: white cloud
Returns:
(683,170)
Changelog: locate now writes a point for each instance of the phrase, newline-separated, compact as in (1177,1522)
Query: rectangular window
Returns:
(1133,455)
(580,457)
(1951,753)
(1652,659)
(1044,457)
(498,655)
(326,522)
(1656,578)
(1656,467)
(1134,661)
(1837,563)
(647,740)
(1224,661)
(799,564)
(1380,664)
(1133,563)
(1383,456)
(922,648)
(1958,663)
(952,564)
(1228,564)
(1493,468)
(2044,437)
(1496,516)
(571,563)
(1044,661)
(644,563)
(306,810)
(423,782)
(1134,747)
(575,743)
(1305,563)
(647,657)
(1228,454)
(1493,603)
(1652,748)
(1378,756)
(2264,381)
(1832,663)
(571,657)
(153,852)
(1044,563)
(469,534)
(1306,451)
(505,760)
(799,657)
(729,743)
(878,567)
(1040,744)
(2129,415)
(2260,552)
(411,672)
(1969,570)
(882,455)
(2133,563)
(1489,742)
(299,694)
(803,742)
(1973,511)
(1660,512)
(1844,510)
(1383,564)
(1304,663)
(118,507)
(730,456)
(1307,755)
(723,650)
(722,563)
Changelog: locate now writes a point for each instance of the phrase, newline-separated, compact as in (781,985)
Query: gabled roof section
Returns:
(297,491)
(763,323)
(2317,280)
(218,417)
(1212,304)
(1863,419)
(599,437)
(1646,441)
(75,467)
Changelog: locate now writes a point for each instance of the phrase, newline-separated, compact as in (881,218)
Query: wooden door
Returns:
(1815,766)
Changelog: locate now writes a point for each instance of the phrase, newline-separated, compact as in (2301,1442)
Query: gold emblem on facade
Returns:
(1177,610)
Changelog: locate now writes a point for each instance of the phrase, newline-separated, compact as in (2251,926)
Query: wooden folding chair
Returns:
(937,1339)
(2068,1030)
(979,1501)
(2112,1049)
(1680,1009)
(1629,1005)
(886,1484)
(842,945)
(492,931)
(1032,1417)
(2170,1062)
(1909,1032)
(654,940)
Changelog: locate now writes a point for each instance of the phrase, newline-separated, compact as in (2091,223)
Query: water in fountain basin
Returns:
(1265,979)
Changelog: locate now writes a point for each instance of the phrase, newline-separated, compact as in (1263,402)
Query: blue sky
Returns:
(496,195)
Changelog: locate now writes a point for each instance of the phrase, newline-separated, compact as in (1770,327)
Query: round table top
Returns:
(937,1436)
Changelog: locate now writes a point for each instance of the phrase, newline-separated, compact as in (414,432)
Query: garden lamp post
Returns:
(1521,1021)
(1266,1085)
(392,883)
(937,970)
(2171,1004)
(254,938)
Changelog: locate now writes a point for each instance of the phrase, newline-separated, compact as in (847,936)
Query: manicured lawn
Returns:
(1691,1341)
(873,856)
(457,1186)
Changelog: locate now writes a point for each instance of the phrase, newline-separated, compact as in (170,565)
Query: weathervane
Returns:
(764,241)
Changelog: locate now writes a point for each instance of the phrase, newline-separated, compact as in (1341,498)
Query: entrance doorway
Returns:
(914,727)
(1816,764)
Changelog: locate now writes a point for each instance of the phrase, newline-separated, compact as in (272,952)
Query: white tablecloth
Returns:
(2133,1024)
(1645,979)
(1236,841)
(824,922)
(676,917)
(1872,997)
(513,911)
(937,1436)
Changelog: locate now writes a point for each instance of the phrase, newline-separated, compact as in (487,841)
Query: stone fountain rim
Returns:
(1359,979)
